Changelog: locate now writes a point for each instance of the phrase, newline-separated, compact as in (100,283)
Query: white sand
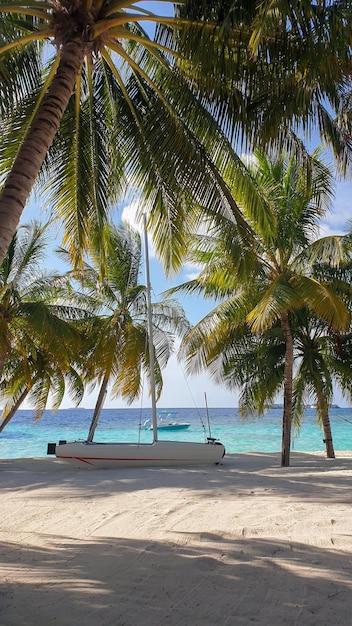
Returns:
(243,543)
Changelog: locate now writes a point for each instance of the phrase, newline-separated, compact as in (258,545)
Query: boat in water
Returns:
(92,454)
(166,422)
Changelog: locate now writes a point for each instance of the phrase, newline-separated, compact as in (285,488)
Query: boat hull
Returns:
(172,426)
(156,454)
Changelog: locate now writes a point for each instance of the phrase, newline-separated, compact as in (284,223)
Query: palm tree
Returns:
(110,110)
(115,104)
(323,355)
(264,289)
(116,351)
(80,117)
(322,360)
(37,377)
(314,372)
(276,67)
(239,359)
(38,339)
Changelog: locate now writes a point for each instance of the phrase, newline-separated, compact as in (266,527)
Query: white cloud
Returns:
(129,215)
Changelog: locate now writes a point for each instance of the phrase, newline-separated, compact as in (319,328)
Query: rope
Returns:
(194,402)
(344,419)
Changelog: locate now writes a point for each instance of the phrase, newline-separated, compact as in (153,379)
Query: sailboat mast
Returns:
(99,405)
(150,334)
(207,412)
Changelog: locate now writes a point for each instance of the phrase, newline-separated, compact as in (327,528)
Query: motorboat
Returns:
(166,422)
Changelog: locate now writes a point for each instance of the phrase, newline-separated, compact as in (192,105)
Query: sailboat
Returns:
(92,454)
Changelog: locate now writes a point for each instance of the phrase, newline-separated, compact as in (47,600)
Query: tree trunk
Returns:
(324,416)
(288,376)
(3,356)
(13,409)
(98,407)
(39,138)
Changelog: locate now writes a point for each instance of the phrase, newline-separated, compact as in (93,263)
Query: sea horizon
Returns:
(25,437)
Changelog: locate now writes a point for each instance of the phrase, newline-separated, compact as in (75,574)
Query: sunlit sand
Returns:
(245,542)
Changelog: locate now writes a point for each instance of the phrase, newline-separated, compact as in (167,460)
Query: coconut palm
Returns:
(38,376)
(116,351)
(114,103)
(281,66)
(107,109)
(323,359)
(239,359)
(314,372)
(38,340)
(280,278)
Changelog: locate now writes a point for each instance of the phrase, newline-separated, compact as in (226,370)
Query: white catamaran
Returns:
(91,454)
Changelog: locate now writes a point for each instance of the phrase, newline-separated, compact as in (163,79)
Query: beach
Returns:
(245,542)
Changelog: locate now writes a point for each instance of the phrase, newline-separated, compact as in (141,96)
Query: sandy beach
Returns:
(243,543)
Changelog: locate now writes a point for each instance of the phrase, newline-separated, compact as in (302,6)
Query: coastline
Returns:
(25,437)
(243,542)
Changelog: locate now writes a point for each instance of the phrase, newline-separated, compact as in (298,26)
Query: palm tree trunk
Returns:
(288,376)
(33,150)
(98,407)
(3,355)
(324,416)
(13,409)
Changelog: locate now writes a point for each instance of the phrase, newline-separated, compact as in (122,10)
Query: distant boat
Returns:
(165,422)
(331,406)
(156,454)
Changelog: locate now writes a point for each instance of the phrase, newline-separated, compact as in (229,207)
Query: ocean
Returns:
(25,437)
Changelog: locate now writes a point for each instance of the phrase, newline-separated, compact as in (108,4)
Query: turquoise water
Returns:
(25,437)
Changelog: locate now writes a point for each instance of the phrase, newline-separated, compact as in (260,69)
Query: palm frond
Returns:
(322,300)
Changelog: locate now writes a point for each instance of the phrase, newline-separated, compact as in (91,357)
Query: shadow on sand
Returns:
(199,579)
